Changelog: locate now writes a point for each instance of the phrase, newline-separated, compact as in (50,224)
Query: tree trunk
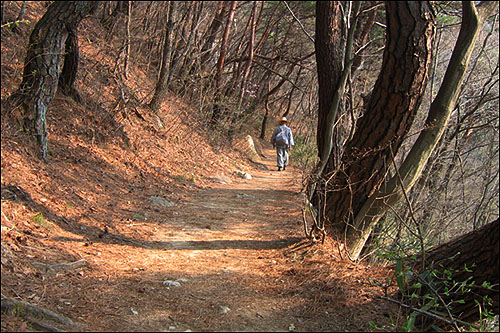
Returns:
(290,94)
(216,111)
(335,65)
(390,111)
(161,84)
(329,57)
(70,69)
(43,62)
(473,257)
(20,17)
(367,215)
(212,34)
(266,115)
(237,115)
(2,8)
(183,64)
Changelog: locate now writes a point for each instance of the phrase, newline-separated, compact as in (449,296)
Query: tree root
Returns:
(32,314)
(58,267)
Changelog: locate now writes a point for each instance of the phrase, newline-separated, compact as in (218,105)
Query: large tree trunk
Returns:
(329,58)
(42,64)
(390,111)
(377,204)
(473,257)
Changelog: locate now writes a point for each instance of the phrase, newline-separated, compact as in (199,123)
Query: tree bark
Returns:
(470,257)
(390,111)
(329,57)
(442,106)
(70,68)
(43,62)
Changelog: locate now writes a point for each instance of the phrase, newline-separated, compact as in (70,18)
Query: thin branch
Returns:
(426,313)
(298,21)
(8,24)
(410,207)
(280,75)
(442,302)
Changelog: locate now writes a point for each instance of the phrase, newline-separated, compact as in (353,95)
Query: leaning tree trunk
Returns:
(20,17)
(266,114)
(390,112)
(42,64)
(473,257)
(377,204)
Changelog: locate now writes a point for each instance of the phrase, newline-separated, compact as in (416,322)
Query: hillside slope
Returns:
(150,200)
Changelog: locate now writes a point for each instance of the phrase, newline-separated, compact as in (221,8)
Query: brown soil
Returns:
(237,250)
(235,245)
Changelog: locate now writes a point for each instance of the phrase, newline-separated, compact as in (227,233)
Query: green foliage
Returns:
(390,326)
(448,13)
(184,179)
(139,217)
(10,25)
(394,241)
(445,20)
(39,219)
(304,154)
(437,292)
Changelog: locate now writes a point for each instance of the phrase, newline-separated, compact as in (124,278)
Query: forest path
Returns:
(215,263)
(227,257)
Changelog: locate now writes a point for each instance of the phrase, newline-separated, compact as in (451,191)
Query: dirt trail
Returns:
(224,246)
(226,260)
(226,257)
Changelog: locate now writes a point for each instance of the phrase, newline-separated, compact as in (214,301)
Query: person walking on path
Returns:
(282,140)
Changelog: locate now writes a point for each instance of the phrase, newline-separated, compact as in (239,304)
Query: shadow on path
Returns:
(198,245)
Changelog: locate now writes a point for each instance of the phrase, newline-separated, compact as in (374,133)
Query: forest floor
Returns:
(138,222)
(228,257)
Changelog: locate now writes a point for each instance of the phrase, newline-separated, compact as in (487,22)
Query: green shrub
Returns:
(304,154)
